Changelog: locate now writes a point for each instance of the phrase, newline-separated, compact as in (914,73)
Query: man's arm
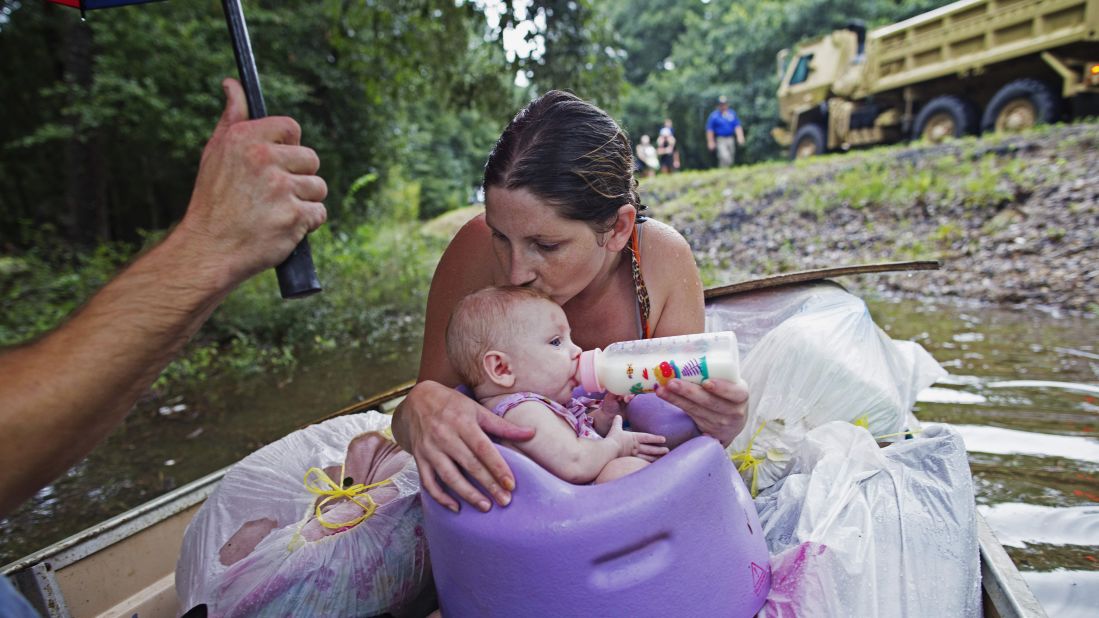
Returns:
(739,135)
(256,196)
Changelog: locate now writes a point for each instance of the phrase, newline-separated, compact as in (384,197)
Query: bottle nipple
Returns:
(589,379)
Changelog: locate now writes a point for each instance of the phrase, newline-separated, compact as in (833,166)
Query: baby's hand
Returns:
(611,406)
(635,443)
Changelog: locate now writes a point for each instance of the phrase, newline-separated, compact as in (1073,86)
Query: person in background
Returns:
(721,127)
(666,150)
(562,216)
(511,345)
(256,196)
(646,154)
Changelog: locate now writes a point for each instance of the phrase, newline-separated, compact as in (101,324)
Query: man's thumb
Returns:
(236,106)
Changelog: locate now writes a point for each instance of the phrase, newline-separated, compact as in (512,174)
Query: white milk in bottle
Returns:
(634,367)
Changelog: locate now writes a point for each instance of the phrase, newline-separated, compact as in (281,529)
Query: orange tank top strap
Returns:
(639,282)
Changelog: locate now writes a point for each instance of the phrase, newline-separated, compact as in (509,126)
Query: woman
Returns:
(665,148)
(561,215)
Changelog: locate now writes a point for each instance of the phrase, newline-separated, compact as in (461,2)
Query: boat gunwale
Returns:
(120,527)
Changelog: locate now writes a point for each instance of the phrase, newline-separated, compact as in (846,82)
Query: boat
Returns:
(125,566)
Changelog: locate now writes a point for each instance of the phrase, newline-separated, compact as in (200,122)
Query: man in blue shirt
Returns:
(721,126)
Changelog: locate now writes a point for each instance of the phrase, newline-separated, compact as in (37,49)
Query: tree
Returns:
(728,47)
(132,94)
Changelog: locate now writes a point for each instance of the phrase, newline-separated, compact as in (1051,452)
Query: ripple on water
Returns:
(1018,524)
(984,439)
(1064,593)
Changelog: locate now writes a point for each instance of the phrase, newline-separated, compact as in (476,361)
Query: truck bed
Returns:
(967,36)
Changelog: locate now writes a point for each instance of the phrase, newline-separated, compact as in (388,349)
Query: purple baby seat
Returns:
(679,538)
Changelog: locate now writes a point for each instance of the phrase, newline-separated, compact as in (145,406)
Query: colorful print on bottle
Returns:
(693,369)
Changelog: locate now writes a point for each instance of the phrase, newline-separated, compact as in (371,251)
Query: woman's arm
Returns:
(444,430)
(557,448)
(718,407)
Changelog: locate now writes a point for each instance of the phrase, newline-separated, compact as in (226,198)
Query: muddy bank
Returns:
(1012,219)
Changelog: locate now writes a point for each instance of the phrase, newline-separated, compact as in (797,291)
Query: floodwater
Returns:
(1023,392)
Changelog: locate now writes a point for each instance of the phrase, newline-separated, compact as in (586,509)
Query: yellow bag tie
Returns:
(906,432)
(336,492)
(746,460)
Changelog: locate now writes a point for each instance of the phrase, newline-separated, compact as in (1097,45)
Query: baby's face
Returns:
(544,358)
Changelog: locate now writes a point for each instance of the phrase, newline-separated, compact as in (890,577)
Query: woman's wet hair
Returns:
(569,153)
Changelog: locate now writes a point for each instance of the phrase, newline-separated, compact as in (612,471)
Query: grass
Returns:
(375,277)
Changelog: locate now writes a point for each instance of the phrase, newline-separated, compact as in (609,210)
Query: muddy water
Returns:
(166,444)
(1023,392)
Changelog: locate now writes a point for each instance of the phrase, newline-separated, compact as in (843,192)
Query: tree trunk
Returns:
(80,222)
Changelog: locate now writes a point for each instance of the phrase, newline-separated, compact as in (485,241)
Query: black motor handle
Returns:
(297,275)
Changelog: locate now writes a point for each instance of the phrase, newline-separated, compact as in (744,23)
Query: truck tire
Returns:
(1020,105)
(808,142)
(943,117)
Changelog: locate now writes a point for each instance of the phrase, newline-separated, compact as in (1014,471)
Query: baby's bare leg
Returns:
(618,468)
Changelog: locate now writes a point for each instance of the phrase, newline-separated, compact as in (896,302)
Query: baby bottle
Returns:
(635,367)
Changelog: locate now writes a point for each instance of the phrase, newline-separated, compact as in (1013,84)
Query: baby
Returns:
(512,346)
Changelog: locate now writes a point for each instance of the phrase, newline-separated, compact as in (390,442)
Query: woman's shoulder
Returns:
(468,258)
(669,270)
(475,232)
(467,265)
(662,244)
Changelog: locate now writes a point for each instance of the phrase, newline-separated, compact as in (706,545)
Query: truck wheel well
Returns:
(1046,105)
(808,141)
(960,117)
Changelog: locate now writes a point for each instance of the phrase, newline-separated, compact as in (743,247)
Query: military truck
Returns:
(968,67)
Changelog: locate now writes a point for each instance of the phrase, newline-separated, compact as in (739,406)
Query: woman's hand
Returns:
(446,433)
(718,407)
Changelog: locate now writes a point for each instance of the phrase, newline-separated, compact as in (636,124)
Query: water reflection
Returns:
(1019,525)
(1064,593)
(982,439)
(1022,393)
(203,430)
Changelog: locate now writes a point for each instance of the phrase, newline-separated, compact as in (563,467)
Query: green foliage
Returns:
(375,277)
(963,177)
(107,118)
(725,47)
(39,288)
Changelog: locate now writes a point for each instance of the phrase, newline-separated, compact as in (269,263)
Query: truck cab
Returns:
(819,69)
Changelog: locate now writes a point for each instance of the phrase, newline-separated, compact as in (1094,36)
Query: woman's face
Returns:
(535,246)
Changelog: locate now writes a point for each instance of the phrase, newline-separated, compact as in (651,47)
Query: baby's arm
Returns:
(557,448)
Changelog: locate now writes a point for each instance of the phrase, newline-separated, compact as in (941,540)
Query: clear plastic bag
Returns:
(258,548)
(812,354)
(858,530)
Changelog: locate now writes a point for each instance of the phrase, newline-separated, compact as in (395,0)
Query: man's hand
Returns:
(256,196)
(257,193)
